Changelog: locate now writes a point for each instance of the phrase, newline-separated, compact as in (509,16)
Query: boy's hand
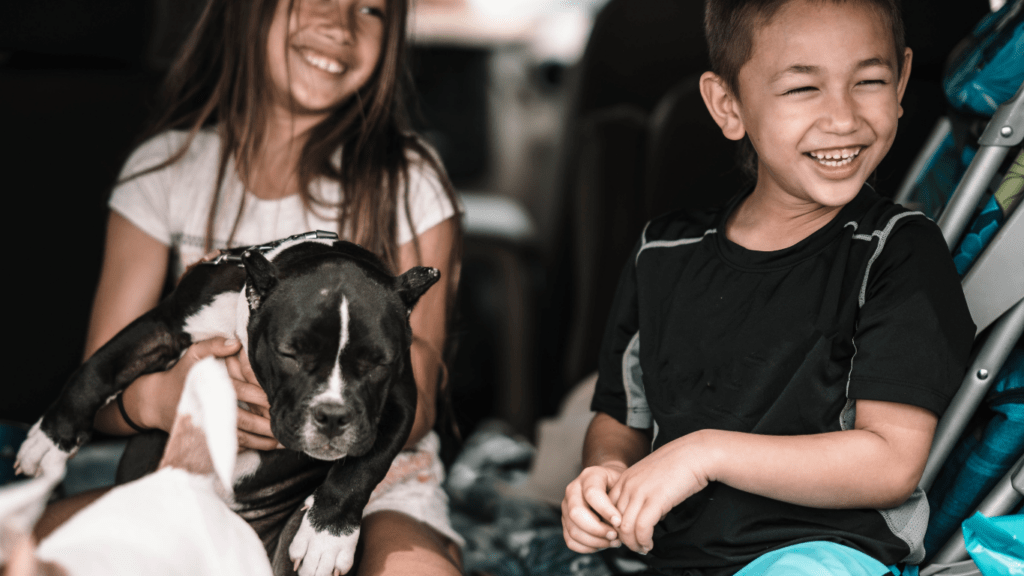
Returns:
(588,513)
(649,489)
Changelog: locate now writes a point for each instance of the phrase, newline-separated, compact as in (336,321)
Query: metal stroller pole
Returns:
(1006,129)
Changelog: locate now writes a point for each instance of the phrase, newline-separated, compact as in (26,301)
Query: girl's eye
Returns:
(799,90)
(877,81)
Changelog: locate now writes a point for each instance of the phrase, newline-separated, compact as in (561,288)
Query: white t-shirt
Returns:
(173,204)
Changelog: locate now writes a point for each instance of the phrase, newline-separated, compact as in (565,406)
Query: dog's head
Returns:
(328,337)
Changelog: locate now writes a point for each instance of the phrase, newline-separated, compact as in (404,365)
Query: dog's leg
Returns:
(153,342)
(146,345)
(326,540)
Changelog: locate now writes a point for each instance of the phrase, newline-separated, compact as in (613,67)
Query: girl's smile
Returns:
(322,52)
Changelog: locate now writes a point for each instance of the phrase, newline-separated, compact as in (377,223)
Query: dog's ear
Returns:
(262,277)
(414,283)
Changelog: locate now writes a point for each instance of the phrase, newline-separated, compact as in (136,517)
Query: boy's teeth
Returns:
(836,157)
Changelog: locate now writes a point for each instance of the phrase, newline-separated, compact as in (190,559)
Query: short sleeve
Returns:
(429,204)
(619,392)
(144,200)
(914,331)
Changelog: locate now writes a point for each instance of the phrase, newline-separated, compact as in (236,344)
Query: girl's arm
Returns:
(131,280)
(876,465)
(429,319)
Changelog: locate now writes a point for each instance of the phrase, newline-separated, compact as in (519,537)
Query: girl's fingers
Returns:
(251,394)
(243,360)
(234,367)
(219,347)
(253,424)
(247,440)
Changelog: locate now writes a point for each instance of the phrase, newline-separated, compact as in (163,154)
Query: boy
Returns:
(772,373)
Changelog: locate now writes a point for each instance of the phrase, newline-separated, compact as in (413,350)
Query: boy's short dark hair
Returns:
(729,27)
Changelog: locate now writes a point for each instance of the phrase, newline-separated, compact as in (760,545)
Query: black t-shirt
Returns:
(704,334)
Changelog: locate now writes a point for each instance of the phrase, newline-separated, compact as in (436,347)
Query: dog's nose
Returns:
(331,417)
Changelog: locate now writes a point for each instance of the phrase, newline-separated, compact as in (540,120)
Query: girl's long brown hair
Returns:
(220,77)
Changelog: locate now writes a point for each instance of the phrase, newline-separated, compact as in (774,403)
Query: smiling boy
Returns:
(772,373)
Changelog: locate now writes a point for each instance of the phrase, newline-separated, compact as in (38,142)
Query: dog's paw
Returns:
(320,553)
(39,455)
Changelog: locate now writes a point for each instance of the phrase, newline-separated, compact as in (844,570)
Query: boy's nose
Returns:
(840,114)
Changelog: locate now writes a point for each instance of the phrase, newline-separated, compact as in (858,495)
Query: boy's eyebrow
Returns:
(807,69)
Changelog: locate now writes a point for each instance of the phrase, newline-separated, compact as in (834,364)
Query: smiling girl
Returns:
(279,117)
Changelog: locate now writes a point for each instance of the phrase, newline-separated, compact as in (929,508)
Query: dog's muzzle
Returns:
(334,430)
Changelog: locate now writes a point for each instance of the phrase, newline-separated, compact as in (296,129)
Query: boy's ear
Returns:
(723,105)
(908,56)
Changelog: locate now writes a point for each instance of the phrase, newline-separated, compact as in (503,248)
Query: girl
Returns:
(279,117)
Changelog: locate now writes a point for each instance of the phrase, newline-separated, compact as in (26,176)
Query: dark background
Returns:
(77,81)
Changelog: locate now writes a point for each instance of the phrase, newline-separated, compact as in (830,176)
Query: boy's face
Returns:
(820,99)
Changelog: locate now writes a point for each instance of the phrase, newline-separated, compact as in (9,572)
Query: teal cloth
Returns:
(996,544)
(815,559)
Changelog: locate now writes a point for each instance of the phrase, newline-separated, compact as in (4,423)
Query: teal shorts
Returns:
(816,559)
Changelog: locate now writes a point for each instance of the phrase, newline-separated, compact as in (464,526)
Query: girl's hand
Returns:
(253,424)
(588,514)
(152,400)
(649,489)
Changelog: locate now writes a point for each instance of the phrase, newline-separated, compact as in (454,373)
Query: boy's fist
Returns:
(588,515)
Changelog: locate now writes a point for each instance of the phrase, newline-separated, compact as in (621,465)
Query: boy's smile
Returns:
(819,99)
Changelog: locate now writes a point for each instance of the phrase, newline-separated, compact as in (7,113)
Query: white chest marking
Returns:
(335,383)
(215,319)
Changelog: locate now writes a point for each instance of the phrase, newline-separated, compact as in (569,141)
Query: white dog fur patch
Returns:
(38,454)
(320,553)
(218,318)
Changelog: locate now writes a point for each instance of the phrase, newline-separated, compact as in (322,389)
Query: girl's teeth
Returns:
(323,63)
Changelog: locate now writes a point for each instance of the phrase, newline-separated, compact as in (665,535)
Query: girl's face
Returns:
(323,52)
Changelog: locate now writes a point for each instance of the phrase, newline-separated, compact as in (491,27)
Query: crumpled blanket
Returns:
(506,534)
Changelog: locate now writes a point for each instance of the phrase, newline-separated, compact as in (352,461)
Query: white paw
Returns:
(320,553)
(38,454)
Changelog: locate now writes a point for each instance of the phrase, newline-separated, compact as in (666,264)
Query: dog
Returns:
(326,329)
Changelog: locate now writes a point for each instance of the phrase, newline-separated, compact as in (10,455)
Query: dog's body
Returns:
(326,330)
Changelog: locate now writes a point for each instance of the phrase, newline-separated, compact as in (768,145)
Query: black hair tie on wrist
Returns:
(124,414)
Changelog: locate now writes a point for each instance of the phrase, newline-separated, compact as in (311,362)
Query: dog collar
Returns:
(234,255)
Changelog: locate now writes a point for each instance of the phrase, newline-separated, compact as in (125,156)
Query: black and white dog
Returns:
(326,330)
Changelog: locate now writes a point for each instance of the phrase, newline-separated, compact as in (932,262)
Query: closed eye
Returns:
(876,81)
(799,90)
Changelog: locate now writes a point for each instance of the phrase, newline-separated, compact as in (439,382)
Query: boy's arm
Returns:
(587,513)
(875,465)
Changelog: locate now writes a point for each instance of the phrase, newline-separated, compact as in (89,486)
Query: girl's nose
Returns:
(336,19)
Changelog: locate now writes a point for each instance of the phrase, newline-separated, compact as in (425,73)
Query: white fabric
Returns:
(172,205)
(174,521)
(170,522)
